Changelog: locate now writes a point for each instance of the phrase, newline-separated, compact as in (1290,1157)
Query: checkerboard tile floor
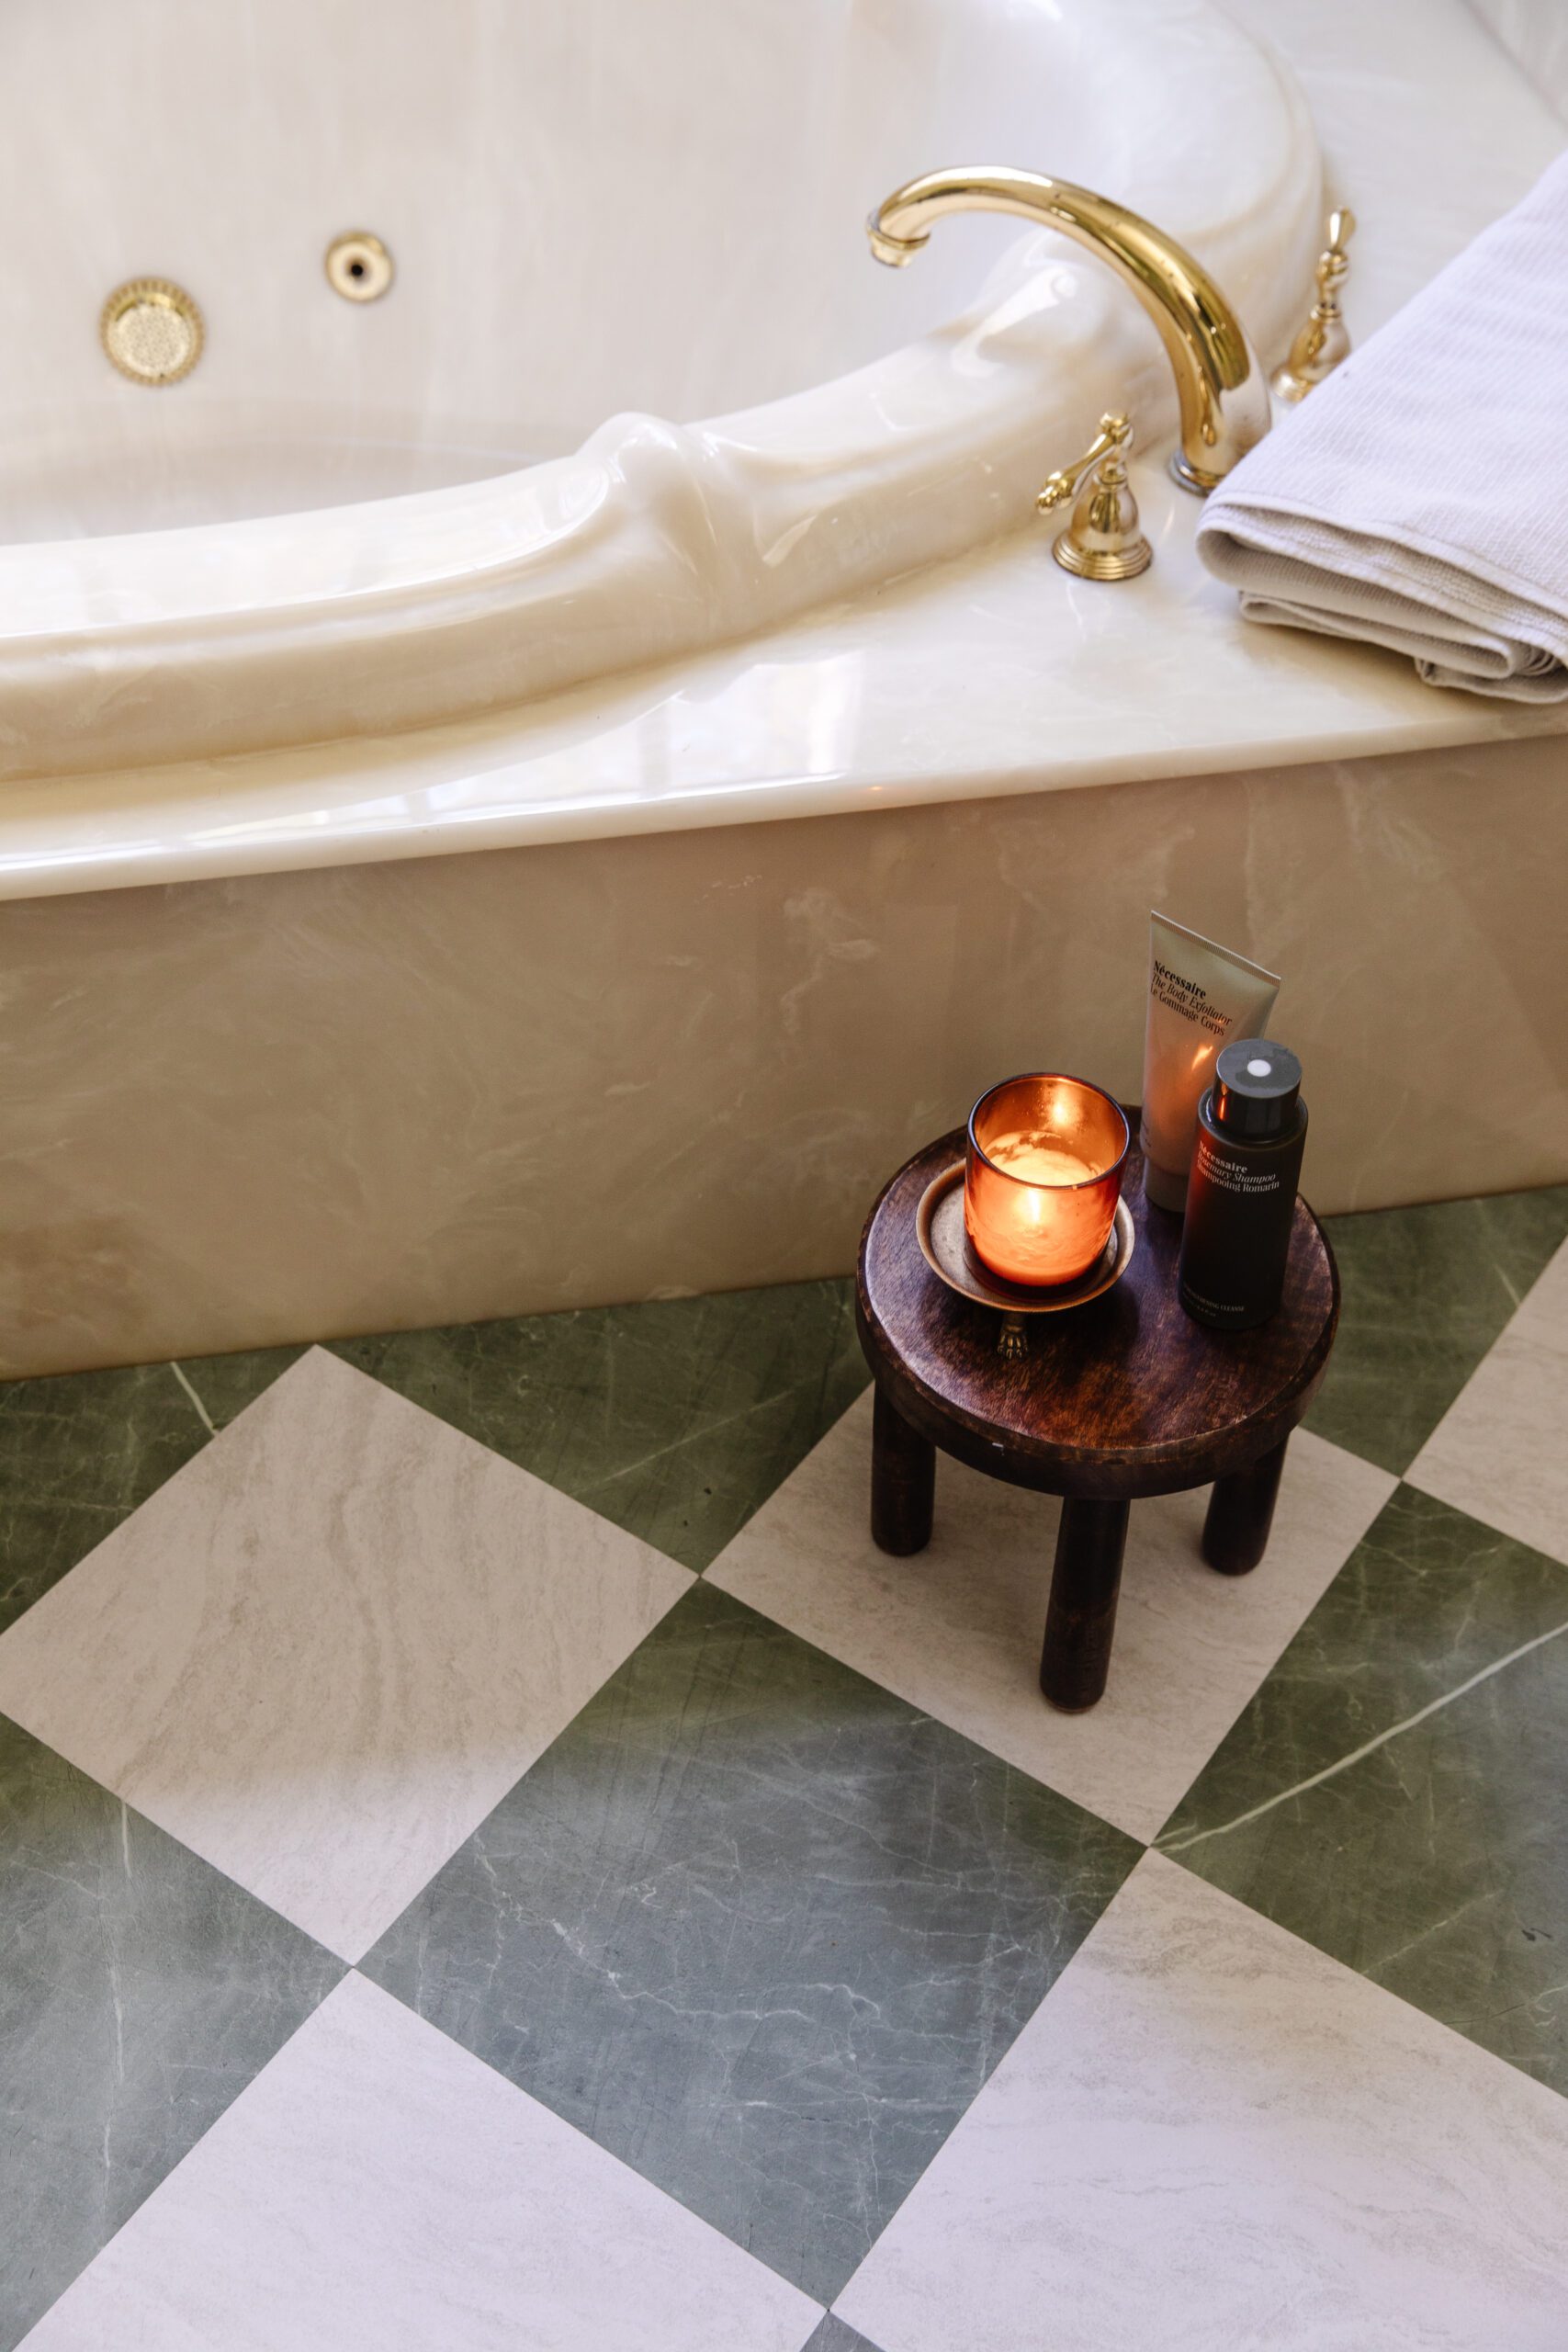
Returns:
(489,1855)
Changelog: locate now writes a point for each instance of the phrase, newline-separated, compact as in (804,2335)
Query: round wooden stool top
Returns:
(1120,1397)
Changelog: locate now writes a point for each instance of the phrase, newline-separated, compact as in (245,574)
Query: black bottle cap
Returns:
(1256,1086)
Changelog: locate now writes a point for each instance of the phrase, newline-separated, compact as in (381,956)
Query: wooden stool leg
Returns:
(1241,1511)
(1081,1617)
(903,1481)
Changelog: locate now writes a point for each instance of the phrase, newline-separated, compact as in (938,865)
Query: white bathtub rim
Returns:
(653,540)
(997,676)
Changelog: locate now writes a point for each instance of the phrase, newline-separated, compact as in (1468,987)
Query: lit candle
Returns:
(1041,1177)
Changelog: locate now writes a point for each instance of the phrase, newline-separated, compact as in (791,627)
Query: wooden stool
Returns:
(1120,1397)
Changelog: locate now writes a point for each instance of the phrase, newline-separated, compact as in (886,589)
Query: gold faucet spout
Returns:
(1221,388)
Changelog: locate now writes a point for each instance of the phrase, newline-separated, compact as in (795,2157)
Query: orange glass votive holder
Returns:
(1041,1177)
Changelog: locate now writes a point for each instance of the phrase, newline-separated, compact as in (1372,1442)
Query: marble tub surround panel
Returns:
(1210,2121)
(898,423)
(425,1092)
(1394,1791)
(674,1418)
(375,2185)
(323,1650)
(759,1927)
(957,1628)
(1427,1291)
(141,1991)
(1499,1451)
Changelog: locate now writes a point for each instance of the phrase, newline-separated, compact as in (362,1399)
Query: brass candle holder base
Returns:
(952,1257)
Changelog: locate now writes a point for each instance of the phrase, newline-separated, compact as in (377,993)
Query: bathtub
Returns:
(636,388)
(376,950)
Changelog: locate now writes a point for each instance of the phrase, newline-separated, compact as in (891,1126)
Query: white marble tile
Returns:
(1501,1450)
(378,2190)
(1211,2135)
(330,1644)
(956,1629)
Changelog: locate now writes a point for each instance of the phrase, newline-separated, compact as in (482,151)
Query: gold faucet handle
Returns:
(1115,435)
(1102,540)
(1334,262)
(1323,343)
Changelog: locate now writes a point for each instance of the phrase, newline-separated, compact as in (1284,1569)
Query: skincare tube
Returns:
(1201,996)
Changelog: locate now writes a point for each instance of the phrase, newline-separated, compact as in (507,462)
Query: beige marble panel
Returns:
(304,1104)
(326,1647)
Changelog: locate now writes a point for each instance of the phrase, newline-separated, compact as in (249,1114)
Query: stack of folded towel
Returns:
(1418,498)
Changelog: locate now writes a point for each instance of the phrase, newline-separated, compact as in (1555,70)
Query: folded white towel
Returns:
(1419,497)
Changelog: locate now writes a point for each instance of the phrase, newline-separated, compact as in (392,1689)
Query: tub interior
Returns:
(593,206)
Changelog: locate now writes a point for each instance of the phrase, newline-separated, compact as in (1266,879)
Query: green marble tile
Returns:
(1434,1863)
(833,2336)
(221,1387)
(1426,1292)
(80,1450)
(674,1418)
(757,1927)
(141,1990)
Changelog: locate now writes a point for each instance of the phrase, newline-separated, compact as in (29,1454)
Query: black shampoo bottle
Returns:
(1241,1197)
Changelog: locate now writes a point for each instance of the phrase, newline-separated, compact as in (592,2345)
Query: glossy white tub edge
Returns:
(656,540)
